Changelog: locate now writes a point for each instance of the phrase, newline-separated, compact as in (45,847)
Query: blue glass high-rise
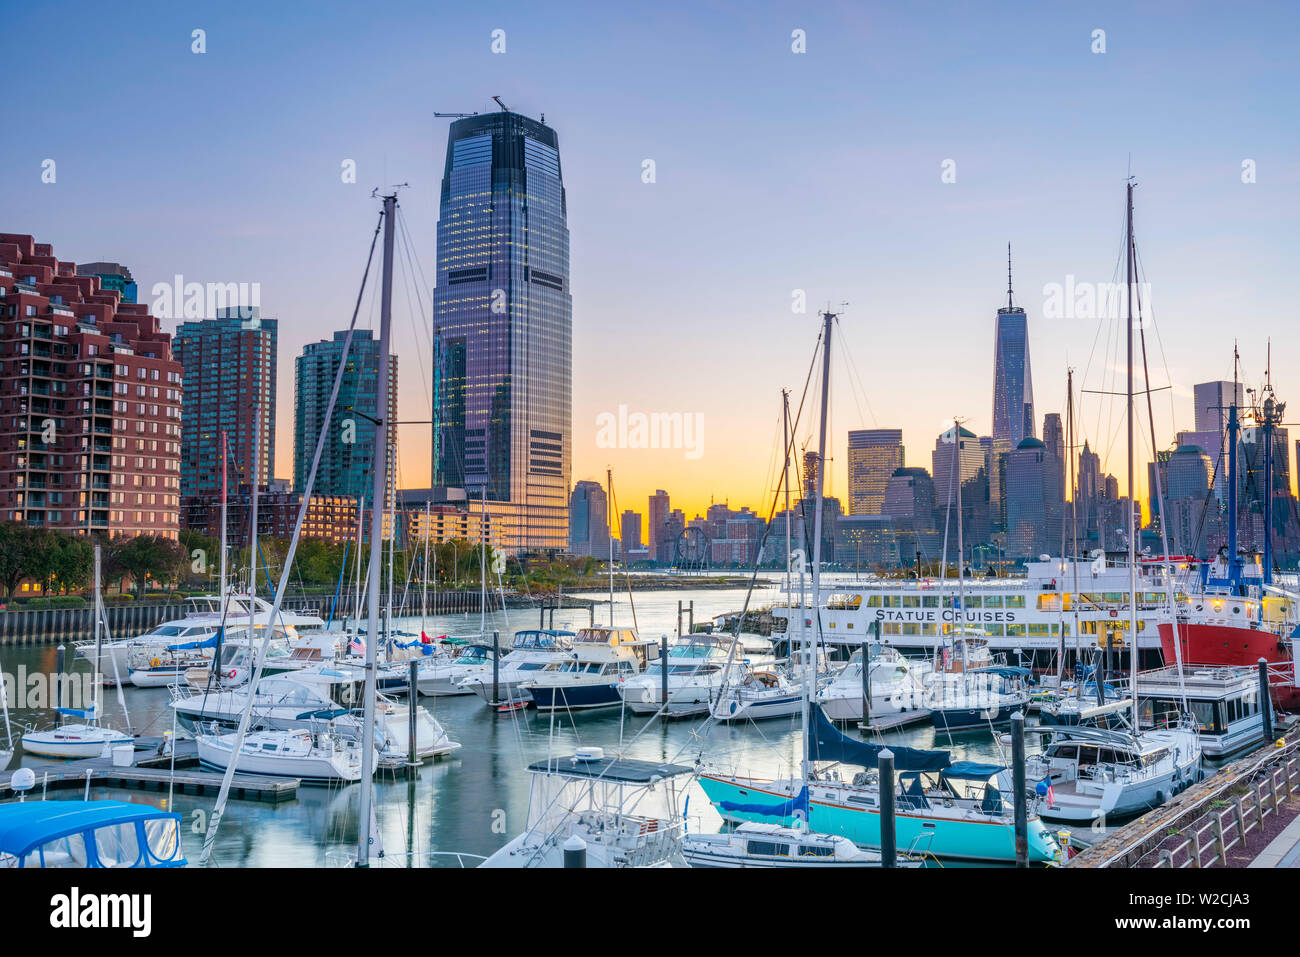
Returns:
(503,326)
(1013,392)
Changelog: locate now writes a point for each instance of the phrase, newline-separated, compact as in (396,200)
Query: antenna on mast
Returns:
(1010,304)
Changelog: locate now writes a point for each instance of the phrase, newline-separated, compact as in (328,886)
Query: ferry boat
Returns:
(1029,619)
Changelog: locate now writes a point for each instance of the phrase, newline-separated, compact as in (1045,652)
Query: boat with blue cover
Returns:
(88,834)
(957,810)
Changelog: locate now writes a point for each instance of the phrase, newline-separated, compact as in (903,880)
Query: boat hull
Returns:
(584,697)
(66,742)
(1203,644)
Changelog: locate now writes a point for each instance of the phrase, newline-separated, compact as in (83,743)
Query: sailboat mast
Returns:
(99,642)
(828,318)
(1132,496)
(609,484)
(482,563)
(380,470)
(252,547)
(1074,525)
(785,442)
(221,583)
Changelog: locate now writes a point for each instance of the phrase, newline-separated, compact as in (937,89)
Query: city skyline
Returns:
(906,251)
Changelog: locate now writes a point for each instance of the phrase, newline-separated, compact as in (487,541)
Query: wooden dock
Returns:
(893,722)
(153,772)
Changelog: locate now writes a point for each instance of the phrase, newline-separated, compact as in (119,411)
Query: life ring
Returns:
(231,673)
(154,662)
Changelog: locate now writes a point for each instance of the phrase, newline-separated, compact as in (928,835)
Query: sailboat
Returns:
(1089,773)
(86,737)
(957,810)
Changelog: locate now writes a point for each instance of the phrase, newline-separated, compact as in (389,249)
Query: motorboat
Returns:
(1224,702)
(85,834)
(530,652)
(299,753)
(624,811)
(1087,774)
(601,658)
(896,685)
(755,844)
(696,666)
(753,694)
(444,677)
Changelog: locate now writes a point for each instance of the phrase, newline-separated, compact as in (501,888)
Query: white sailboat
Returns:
(300,753)
(1089,774)
(86,737)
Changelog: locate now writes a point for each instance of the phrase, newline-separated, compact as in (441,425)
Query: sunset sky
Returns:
(775,172)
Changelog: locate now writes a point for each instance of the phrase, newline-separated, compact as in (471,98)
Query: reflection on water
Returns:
(476,800)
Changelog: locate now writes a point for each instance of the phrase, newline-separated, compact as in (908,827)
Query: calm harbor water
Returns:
(477,799)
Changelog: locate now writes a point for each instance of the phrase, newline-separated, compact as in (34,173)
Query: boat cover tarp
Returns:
(30,824)
(796,805)
(203,643)
(827,743)
(972,771)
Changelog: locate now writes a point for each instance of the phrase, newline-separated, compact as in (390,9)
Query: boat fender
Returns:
(1161,797)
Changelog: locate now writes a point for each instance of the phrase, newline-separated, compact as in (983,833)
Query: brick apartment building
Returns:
(90,402)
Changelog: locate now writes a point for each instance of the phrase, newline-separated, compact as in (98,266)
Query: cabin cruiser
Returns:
(530,652)
(1087,774)
(601,658)
(435,676)
(752,694)
(300,753)
(896,685)
(201,623)
(625,811)
(696,665)
(755,844)
(1224,702)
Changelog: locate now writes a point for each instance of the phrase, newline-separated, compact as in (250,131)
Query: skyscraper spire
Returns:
(1010,304)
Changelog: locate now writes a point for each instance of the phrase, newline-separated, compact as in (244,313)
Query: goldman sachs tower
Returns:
(1013,392)
(503,330)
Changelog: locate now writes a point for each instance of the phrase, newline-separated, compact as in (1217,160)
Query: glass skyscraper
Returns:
(503,328)
(1013,390)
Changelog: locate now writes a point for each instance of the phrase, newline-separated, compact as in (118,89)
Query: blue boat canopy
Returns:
(204,643)
(89,834)
(1006,671)
(827,743)
(972,771)
(88,713)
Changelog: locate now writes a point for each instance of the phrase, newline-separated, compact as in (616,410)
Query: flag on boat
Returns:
(356,645)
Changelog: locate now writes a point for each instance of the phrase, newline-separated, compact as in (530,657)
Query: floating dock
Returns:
(153,772)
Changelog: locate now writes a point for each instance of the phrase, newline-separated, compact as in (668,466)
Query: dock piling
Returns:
(888,823)
(1018,784)
(1265,701)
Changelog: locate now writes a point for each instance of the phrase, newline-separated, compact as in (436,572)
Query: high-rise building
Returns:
(90,402)
(230,387)
(589,520)
(630,531)
(874,456)
(657,526)
(1013,388)
(1034,506)
(955,454)
(1188,474)
(503,326)
(113,277)
(1212,400)
(347,459)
